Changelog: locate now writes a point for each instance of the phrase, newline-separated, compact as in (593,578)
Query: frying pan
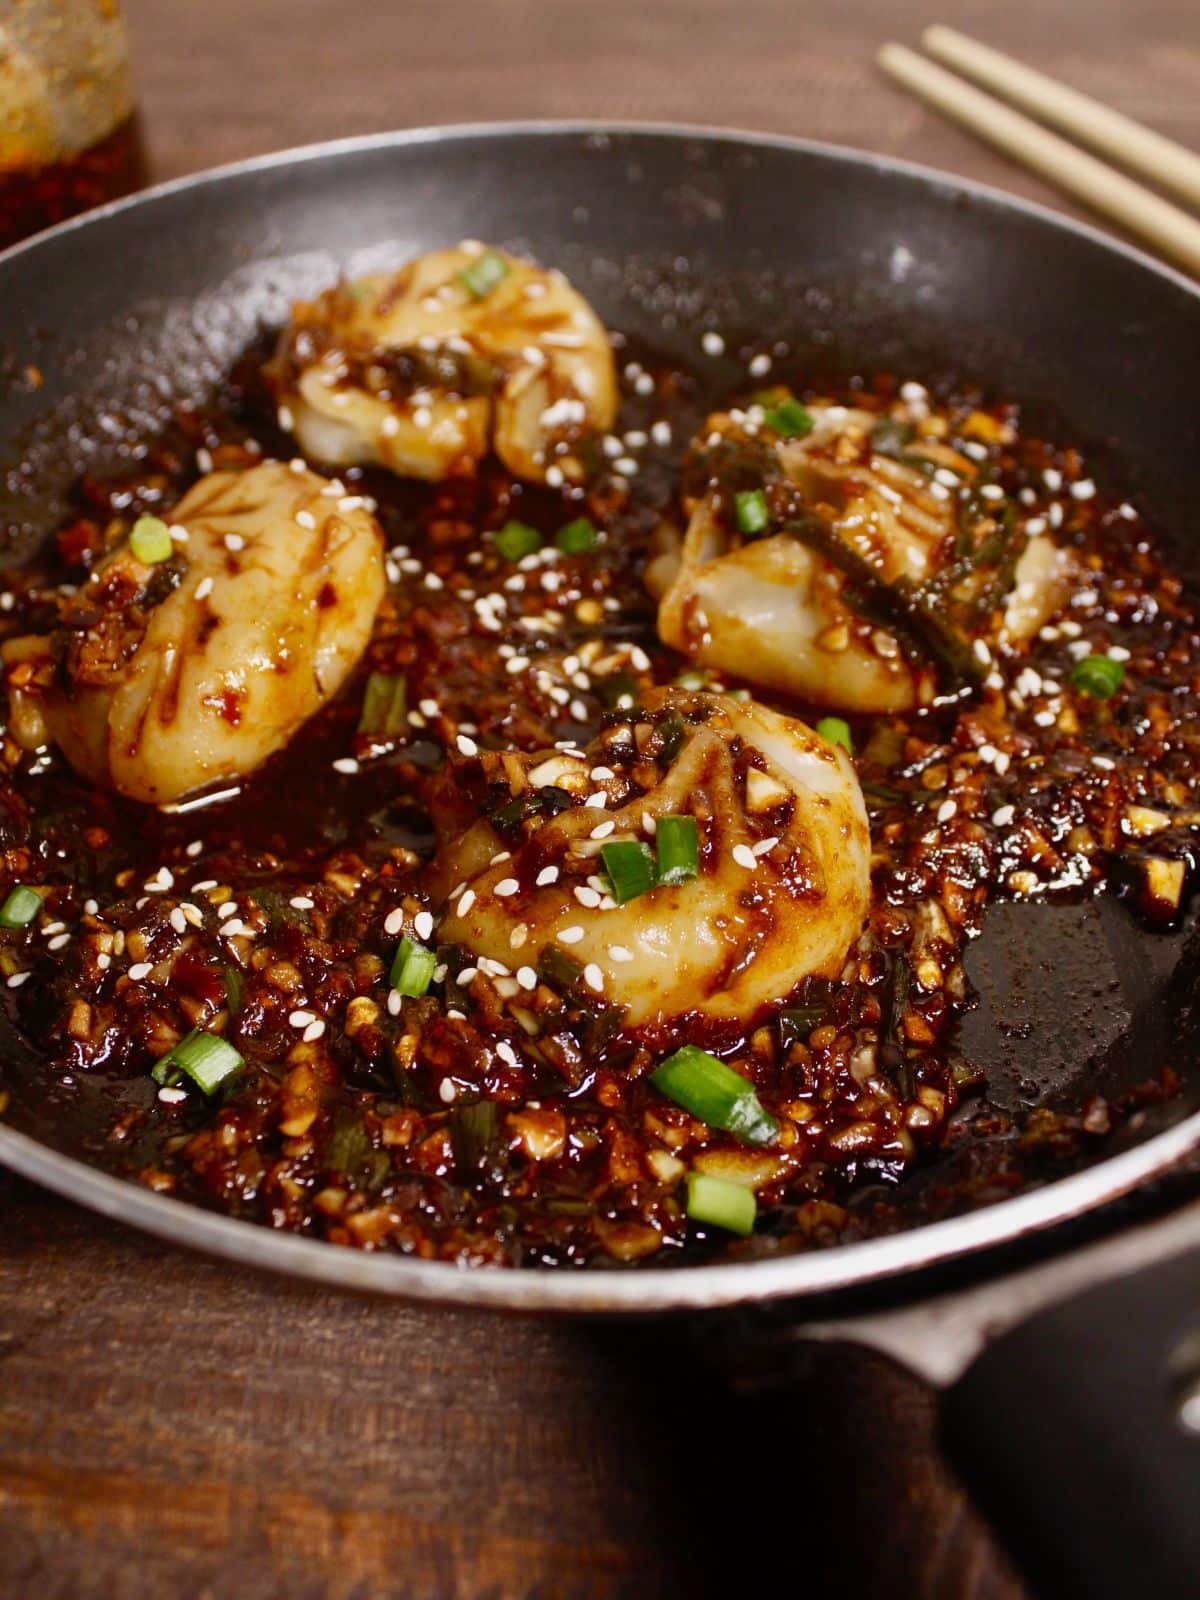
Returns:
(1065,1319)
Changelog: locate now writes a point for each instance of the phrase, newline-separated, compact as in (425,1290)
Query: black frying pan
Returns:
(1070,1426)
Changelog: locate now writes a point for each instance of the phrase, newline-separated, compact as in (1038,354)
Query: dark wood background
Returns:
(171,1426)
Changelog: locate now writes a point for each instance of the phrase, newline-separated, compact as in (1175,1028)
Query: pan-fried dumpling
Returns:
(165,675)
(421,370)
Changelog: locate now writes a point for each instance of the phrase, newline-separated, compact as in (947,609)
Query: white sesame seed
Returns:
(393,922)
(593,977)
(305,519)
(302,902)
(285,419)
(1052,478)
(712,344)
(546,876)
(313,1031)
(570,935)
(554,477)
(203,589)
(765,846)
(1003,815)
(51,928)
(301,1019)
(1085,489)
(597,801)
(58,941)
(91,907)
(104,961)
(346,764)
(423,924)
(618,952)
(527,977)
(203,885)
(602,829)
(466,976)
(447,1091)
(18,978)
(982,653)
(744,856)
(660,432)
(649,824)
(759,365)
(204,460)
(178,920)
(644,384)
(586,897)
(1118,652)
(507,1054)
(140,970)
(465,903)
(465,746)
(1103,763)
(946,810)
(230,930)
(394,1003)
(234,542)
(505,887)
(171,1096)
(1002,762)
(192,913)
(194,849)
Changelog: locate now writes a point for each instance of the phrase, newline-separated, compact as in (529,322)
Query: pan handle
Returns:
(1078,1435)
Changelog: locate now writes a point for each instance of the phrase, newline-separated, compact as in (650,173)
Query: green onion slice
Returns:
(1098,676)
(678,849)
(715,1094)
(20,907)
(750,511)
(517,539)
(630,867)
(720,1203)
(150,540)
(205,1058)
(577,538)
(412,970)
(790,420)
(836,731)
(481,276)
(385,704)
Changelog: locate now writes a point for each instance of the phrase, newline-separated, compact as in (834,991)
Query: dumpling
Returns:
(165,676)
(840,569)
(423,369)
(782,881)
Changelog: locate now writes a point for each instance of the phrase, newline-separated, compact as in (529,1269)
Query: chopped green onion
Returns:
(205,1058)
(836,732)
(715,1094)
(678,849)
(483,274)
(385,703)
(720,1203)
(577,538)
(517,539)
(790,420)
(20,908)
(150,540)
(630,867)
(559,971)
(797,1023)
(750,510)
(412,970)
(1099,676)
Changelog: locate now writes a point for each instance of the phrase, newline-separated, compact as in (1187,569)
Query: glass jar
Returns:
(69,135)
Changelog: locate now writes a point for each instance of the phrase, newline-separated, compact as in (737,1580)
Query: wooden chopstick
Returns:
(1163,226)
(1165,163)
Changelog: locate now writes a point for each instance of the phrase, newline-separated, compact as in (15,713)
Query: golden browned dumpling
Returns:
(782,878)
(422,370)
(165,676)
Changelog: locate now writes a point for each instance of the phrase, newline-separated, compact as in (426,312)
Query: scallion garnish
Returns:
(630,868)
(715,1094)
(20,907)
(836,732)
(481,276)
(750,511)
(516,540)
(576,538)
(720,1203)
(412,970)
(150,540)
(678,849)
(205,1058)
(1098,676)
(385,703)
(789,419)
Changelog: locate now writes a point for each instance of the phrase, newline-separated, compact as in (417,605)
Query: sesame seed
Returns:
(527,977)
(466,976)
(301,1019)
(346,764)
(394,921)
(390,426)
(588,898)
(644,384)
(744,856)
(946,810)
(140,970)
(1085,489)
(302,902)
(505,887)
(305,519)
(234,542)
(712,344)
(1003,815)
(18,978)
(765,846)
(466,902)
(465,746)
(204,460)
(51,928)
(660,432)
(203,885)
(507,1054)
(602,829)
(230,929)
(394,1003)
(649,824)
(285,419)
(1118,652)
(313,1031)
(626,466)
(171,1096)
(192,914)
(58,941)
(203,589)
(423,924)
(1052,478)
(1002,762)
(194,849)
(546,876)
(91,907)
(597,801)
(759,365)
(554,477)
(1103,763)
(593,977)
(104,961)
(178,920)
(618,952)
(447,1092)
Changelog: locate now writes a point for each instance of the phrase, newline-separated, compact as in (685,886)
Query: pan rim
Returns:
(592,1291)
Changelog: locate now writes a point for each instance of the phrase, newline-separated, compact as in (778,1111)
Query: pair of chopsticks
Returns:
(1165,227)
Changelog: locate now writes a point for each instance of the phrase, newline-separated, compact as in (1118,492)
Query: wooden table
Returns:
(174,1427)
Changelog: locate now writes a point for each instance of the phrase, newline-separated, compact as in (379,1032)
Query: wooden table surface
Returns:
(174,1427)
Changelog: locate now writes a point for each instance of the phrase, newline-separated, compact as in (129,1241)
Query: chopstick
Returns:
(1164,162)
(1162,225)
